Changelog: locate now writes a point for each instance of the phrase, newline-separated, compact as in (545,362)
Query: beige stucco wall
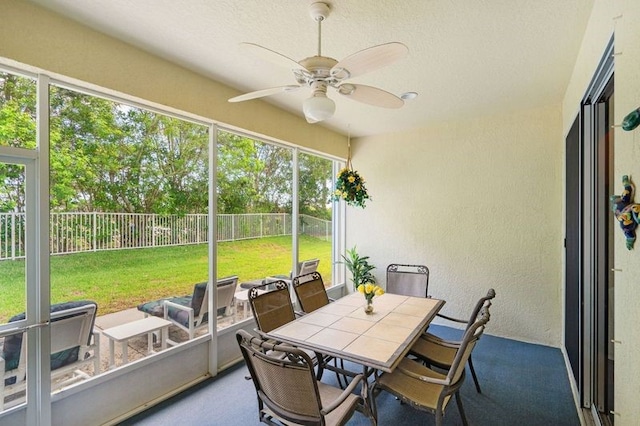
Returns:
(622,18)
(478,201)
(627,161)
(36,37)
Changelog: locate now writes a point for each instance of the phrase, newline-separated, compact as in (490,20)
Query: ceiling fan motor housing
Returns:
(319,11)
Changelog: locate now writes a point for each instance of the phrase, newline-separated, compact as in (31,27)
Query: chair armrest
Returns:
(443,316)
(422,378)
(440,341)
(343,396)
(168,303)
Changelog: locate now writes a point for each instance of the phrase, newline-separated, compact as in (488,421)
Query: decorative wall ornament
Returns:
(626,212)
(632,120)
(350,185)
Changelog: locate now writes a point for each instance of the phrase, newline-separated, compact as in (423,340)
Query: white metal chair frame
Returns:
(70,328)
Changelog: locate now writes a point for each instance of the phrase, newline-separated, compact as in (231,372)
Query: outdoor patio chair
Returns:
(436,351)
(408,280)
(74,345)
(287,388)
(312,295)
(191,312)
(425,389)
(304,267)
(271,305)
(310,291)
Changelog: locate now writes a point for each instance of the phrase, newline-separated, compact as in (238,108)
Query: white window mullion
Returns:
(37,254)
(213,248)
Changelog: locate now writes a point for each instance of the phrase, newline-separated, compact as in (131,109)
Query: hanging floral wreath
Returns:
(350,187)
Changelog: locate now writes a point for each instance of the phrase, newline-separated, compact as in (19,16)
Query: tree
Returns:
(17,129)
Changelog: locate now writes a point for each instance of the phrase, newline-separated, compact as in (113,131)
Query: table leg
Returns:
(125,352)
(367,397)
(164,337)
(112,350)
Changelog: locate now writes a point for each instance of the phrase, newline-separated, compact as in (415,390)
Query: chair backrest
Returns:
(286,385)
(307,267)
(310,291)
(71,328)
(408,280)
(483,302)
(225,289)
(469,340)
(271,308)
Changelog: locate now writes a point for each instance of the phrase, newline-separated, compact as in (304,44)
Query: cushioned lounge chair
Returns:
(304,267)
(74,345)
(191,312)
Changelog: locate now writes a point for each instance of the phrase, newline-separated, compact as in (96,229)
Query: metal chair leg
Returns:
(462,415)
(473,374)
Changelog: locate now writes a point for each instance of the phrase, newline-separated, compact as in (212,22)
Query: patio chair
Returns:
(191,312)
(425,389)
(304,267)
(74,346)
(287,389)
(312,295)
(408,280)
(310,291)
(271,308)
(436,351)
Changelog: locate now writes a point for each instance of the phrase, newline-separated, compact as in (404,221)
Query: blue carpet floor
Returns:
(522,384)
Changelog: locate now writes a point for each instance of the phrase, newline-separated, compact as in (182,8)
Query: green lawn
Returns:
(121,279)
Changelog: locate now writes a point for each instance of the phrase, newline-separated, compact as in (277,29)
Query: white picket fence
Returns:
(81,232)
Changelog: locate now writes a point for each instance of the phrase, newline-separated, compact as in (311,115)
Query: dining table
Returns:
(375,341)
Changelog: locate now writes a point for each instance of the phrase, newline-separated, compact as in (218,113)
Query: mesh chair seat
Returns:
(426,389)
(440,352)
(287,389)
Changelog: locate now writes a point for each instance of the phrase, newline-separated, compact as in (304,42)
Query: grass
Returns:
(121,279)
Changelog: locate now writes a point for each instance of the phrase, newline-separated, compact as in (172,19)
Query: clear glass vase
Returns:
(368,308)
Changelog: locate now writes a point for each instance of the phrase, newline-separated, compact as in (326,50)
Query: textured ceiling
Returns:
(466,58)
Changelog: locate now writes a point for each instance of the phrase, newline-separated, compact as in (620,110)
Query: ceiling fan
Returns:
(321,72)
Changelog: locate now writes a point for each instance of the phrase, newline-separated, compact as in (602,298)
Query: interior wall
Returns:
(627,162)
(478,201)
(63,48)
(621,18)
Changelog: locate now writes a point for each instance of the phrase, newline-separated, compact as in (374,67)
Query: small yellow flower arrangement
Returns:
(350,187)
(369,290)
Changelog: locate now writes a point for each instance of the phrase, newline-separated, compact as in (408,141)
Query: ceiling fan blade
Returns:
(370,95)
(369,59)
(270,56)
(265,92)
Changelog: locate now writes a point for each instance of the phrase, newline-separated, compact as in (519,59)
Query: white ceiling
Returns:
(466,57)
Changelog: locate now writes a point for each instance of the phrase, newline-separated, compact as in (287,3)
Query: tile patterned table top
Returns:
(344,330)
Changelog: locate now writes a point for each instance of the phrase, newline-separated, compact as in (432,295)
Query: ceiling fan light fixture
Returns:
(319,107)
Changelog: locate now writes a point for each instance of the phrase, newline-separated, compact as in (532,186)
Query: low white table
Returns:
(242,297)
(122,334)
